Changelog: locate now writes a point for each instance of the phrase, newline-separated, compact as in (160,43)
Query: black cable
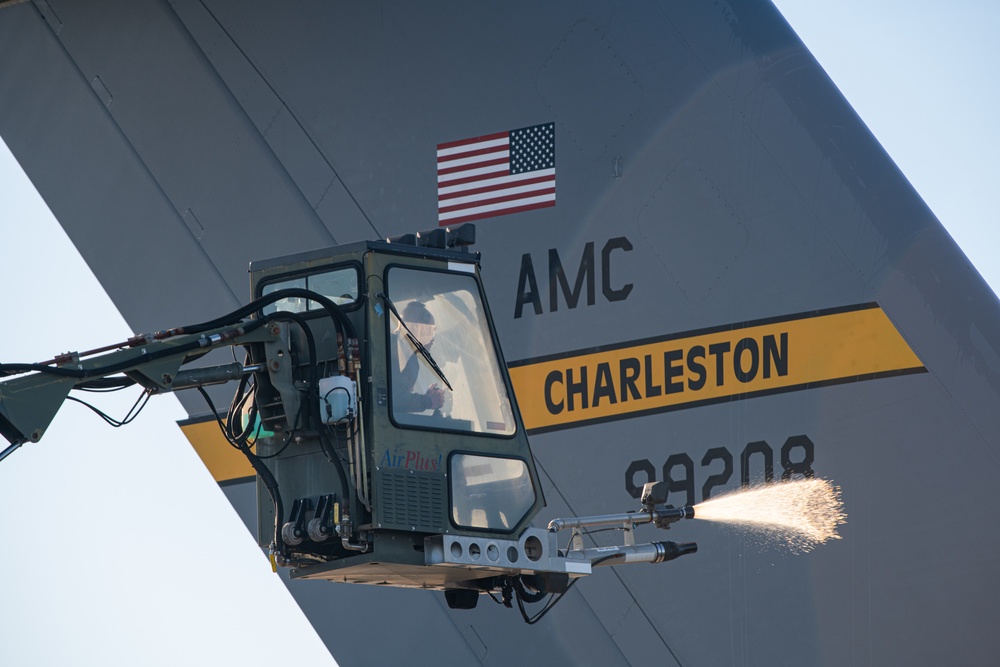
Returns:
(603,530)
(312,391)
(250,384)
(109,390)
(14,369)
(291,435)
(310,406)
(242,439)
(239,407)
(348,433)
(141,359)
(236,317)
(218,419)
(262,471)
(129,417)
(553,602)
(523,593)
(333,310)
(239,400)
(106,384)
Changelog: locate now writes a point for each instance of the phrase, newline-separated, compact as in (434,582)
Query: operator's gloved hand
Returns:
(435,397)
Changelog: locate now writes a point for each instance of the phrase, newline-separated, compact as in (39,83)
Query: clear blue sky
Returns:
(117,547)
(922,75)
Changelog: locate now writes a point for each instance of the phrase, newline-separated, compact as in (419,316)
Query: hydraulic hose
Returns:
(235,317)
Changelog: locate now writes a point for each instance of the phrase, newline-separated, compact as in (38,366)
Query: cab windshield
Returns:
(445,314)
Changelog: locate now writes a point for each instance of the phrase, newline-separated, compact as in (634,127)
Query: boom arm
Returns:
(29,403)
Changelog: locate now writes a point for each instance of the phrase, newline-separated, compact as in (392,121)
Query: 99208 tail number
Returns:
(756,461)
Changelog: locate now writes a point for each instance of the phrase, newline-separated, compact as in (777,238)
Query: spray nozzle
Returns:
(674,550)
(654,494)
(664,516)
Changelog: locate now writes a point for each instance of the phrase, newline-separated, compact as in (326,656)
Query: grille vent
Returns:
(411,500)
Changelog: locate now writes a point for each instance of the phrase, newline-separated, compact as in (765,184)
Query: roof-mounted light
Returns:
(441,237)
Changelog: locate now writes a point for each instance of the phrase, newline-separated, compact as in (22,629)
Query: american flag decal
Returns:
(496,174)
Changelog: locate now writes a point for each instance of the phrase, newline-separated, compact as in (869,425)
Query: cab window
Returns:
(445,314)
(338,285)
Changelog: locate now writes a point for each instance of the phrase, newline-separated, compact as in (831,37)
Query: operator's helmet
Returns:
(420,321)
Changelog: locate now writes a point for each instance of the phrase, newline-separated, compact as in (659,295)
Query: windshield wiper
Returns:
(417,345)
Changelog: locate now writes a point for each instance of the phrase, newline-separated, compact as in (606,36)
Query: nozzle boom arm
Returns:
(630,552)
(661,517)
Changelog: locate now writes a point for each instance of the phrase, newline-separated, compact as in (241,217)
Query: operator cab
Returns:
(420,435)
